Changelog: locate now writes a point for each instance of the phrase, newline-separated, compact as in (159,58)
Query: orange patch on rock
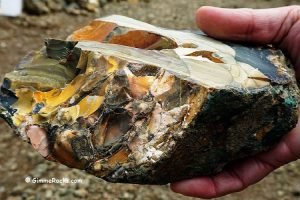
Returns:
(206,54)
(120,157)
(95,31)
(137,39)
(140,85)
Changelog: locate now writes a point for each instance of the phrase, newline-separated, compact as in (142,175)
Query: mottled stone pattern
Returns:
(218,137)
(131,102)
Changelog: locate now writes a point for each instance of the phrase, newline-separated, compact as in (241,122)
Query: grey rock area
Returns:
(75,7)
(70,6)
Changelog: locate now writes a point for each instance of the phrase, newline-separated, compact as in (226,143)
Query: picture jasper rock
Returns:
(134,103)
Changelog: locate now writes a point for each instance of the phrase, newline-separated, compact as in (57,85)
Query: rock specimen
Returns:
(130,102)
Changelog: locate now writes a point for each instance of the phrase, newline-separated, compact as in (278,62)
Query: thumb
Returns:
(260,26)
(278,26)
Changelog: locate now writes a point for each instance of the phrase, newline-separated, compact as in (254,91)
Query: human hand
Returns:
(278,26)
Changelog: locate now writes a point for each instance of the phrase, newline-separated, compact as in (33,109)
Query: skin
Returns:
(277,26)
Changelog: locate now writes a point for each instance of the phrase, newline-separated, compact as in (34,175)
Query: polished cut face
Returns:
(113,97)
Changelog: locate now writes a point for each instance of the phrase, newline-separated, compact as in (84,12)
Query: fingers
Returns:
(202,187)
(286,151)
(242,174)
(236,178)
(261,26)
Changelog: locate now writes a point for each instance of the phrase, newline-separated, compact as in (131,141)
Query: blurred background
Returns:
(42,19)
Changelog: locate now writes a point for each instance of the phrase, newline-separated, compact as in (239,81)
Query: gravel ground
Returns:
(18,160)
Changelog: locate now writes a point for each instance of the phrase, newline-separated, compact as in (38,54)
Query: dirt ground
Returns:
(18,160)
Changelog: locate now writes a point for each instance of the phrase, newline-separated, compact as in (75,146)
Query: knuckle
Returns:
(294,12)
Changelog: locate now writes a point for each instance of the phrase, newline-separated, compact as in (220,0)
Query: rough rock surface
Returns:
(151,109)
(70,6)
